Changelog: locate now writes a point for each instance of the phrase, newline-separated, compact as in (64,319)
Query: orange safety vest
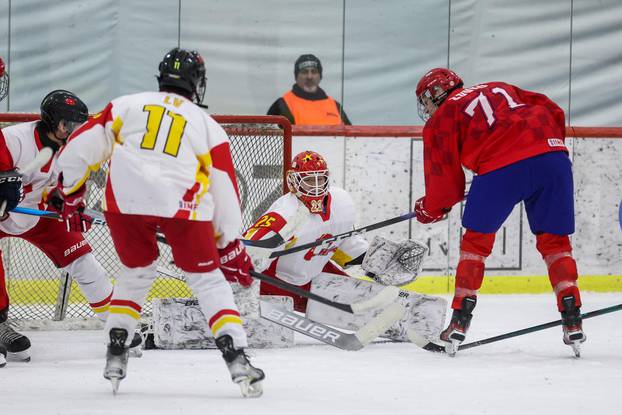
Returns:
(320,112)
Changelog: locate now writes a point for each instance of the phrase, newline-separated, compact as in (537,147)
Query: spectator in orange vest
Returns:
(307,103)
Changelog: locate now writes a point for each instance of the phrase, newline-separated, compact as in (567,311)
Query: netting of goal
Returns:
(261,149)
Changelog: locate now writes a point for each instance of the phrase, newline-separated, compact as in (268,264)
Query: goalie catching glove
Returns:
(394,263)
(236,264)
(70,207)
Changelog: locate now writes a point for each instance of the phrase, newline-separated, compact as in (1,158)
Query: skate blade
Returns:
(451,348)
(249,390)
(576,349)
(23,356)
(2,361)
(115,385)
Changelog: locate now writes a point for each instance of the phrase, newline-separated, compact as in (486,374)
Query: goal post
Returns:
(261,150)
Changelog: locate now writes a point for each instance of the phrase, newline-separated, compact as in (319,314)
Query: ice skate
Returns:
(248,377)
(455,333)
(116,358)
(16,344)
(572,325)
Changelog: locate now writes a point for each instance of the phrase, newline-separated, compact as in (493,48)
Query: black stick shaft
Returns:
(539,327)
(299,291)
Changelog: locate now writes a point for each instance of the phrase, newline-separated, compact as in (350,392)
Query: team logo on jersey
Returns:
(556,142)
(183,205)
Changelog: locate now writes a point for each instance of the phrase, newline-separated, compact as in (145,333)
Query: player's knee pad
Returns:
(86,270)
(477,243)
(548,244)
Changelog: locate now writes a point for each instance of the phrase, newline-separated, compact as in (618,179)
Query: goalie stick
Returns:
(329,335)
(341,236)
(40,160)
(433,347)
(384,297)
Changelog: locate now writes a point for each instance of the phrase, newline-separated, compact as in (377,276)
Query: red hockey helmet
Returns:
(435,86)
(308,180)
(4,81)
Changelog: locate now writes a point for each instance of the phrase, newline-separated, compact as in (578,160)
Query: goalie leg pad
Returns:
(179,323)
(424,314)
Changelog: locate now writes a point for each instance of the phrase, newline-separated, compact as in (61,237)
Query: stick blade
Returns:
(384,297)
(381,323)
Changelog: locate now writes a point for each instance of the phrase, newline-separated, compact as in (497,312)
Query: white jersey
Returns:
(168,158)
(301,267)
(19,145)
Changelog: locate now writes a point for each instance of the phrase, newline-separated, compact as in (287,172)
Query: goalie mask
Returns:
(4,81)
(433,88)
(308,180)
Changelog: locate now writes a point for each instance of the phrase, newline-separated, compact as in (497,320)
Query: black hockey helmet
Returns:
(185,71)
(60,105)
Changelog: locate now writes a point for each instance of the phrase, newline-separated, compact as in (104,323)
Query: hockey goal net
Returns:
(38,291)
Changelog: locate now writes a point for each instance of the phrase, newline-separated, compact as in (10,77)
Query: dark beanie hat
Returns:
(307,61)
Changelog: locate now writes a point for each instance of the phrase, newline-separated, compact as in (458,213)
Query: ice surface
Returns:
(531,374)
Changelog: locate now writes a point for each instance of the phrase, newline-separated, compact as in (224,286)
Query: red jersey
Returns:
(483,128)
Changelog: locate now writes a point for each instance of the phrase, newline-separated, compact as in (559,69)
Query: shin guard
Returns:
(562,268)
(474,249)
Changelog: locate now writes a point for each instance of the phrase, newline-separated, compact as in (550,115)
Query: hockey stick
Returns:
(433,347)
(384,297)
(325,241)
(97,217)
(40,160)
(330,335)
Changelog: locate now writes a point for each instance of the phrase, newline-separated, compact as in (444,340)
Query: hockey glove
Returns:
(235,263)
(11,192)
(70,207)
(425,216)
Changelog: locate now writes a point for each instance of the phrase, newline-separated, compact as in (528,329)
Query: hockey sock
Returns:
(474,249)
(93,282)
(218,305)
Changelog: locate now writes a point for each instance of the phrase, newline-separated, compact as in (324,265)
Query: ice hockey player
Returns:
(170,171)
(312,210)
(513,142)
(63,243)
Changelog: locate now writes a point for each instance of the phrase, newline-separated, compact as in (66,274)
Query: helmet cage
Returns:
(310,187)
(433,88)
